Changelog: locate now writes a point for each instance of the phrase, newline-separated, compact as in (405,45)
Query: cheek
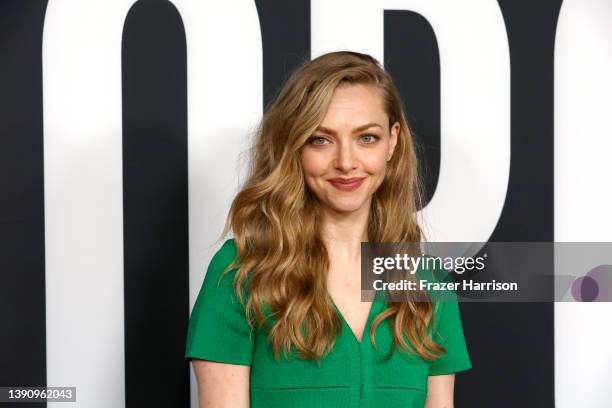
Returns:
(313,164)
(313,168)
(375,164)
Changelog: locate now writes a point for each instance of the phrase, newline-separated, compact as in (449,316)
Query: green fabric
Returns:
(353,375)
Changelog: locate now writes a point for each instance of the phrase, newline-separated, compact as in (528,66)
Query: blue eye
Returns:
(314,138)
(374,138)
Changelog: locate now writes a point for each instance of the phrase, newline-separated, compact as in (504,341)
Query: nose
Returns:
(345,159)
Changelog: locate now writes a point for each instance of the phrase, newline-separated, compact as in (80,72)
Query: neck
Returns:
(342,233)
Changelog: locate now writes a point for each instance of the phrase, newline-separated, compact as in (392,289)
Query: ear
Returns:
(395,129)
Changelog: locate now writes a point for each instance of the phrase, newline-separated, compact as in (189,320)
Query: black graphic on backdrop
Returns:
(412,58)
(155,205)
(23,354)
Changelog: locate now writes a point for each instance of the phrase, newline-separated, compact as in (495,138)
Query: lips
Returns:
(346,184)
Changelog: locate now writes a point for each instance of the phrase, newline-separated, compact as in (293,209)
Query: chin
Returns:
(346,206)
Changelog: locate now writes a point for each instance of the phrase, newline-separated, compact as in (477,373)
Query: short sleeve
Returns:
(448,332)
(218,329)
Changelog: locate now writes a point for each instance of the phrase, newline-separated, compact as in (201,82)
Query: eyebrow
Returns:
(357,129)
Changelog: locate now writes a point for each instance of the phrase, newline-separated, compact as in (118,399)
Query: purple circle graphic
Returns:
(589,289)
(579,289)
(595,286)
(603,276)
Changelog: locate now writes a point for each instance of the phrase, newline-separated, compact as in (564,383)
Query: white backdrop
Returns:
(583,192)
(82,147)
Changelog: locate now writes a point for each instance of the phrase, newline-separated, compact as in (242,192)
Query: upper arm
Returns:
(220,342)
(440,391)
(222,385)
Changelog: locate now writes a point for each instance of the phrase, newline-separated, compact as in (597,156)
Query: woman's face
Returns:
(353,142)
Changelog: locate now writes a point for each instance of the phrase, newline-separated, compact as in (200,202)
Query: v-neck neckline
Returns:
(368,320)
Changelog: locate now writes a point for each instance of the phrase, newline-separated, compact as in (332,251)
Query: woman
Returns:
(279,320)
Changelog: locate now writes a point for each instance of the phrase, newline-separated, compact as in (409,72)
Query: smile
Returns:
(347,184)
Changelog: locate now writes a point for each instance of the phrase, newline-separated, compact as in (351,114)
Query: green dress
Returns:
(352,375)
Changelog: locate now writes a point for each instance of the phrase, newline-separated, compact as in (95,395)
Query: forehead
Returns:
(355,103)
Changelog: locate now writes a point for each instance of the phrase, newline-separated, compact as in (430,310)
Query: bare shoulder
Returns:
(221,384)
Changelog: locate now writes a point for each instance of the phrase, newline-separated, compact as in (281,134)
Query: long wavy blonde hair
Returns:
(281,259)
